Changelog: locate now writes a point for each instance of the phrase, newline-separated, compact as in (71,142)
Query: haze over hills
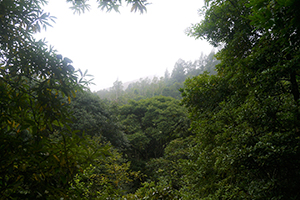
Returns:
(166,85)
(127,83)
(204,62)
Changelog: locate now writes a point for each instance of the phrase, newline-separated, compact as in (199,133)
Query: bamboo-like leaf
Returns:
(56,158)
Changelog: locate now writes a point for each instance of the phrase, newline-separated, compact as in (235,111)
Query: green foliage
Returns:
(237,137)
(80,6)
(35,166)
(151,124)
(246,118)
(170,168)
(40,153)
(139,5)
(94,117)
(108,177)
(154,191)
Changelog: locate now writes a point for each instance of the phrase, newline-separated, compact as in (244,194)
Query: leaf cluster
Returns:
(246,117)
(40,153)
(80,6)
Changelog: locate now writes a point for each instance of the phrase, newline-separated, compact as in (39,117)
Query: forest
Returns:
(225,126)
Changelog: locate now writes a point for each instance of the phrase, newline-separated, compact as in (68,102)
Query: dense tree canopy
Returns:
(151,124)
(40,152)
(38,160)
(235,137)
(92,116)
(247,116)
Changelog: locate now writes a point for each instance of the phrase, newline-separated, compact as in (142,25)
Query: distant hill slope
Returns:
(167,85)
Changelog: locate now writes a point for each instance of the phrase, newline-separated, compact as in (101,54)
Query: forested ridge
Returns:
(167,85)
(225,126)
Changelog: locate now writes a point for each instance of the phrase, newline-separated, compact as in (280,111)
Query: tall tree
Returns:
(247,116)
(117,89)
(178,72)
(40,154)
(38,159)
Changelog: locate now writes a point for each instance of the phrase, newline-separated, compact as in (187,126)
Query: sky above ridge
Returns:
(125,46)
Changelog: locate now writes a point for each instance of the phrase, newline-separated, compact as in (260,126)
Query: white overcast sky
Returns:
(125,46)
